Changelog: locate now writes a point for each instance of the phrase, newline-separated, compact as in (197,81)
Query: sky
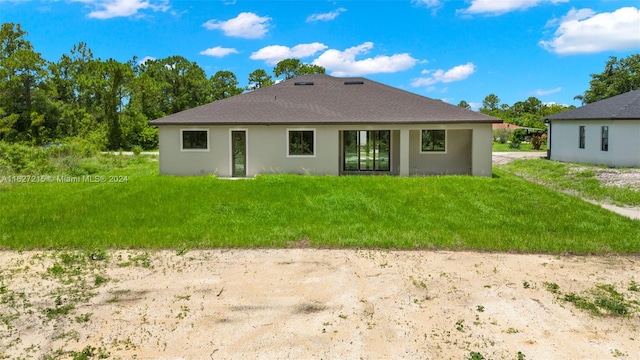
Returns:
(451,50)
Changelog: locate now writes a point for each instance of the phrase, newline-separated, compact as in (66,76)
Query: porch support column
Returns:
(404,152)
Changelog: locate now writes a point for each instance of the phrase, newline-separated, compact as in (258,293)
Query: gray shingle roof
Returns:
(620,107)
(330,100)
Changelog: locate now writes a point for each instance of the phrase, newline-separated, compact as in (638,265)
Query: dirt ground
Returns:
(317,304)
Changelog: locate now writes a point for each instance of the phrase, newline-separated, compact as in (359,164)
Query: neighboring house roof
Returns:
(506,126)
(323,99)
(620,107)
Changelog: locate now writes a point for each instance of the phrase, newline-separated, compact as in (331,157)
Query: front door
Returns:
(366,150)
(238,153)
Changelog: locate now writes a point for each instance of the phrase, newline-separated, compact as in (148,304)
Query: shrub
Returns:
(517,137)
(501,135)
(137,149)
(536,142)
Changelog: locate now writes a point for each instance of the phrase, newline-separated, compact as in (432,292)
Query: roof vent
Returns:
(354,82)
(298,83)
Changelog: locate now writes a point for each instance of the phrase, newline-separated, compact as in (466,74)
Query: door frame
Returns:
(231,151)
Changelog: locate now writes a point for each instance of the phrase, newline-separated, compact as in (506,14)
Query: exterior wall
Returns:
(624,142)
(455,160)
(468,150)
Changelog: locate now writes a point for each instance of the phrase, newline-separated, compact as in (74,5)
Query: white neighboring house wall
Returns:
(624,142)
(468,150)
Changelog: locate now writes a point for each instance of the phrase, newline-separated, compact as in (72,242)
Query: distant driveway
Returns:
(501,158)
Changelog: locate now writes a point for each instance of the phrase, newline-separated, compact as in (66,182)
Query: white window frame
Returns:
(182,149)
(314,143)
(446,142)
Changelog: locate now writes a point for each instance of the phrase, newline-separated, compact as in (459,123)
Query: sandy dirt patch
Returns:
(315,304)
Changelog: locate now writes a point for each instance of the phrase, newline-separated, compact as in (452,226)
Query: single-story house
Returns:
(319,124)
(606,132)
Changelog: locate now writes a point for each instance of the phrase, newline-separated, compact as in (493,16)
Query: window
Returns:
(301,142)
(581,141)
(433,141)
(195,140)
(604,144)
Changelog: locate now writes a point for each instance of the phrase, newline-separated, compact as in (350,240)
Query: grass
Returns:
(503,213)
(497,147)
(577,178)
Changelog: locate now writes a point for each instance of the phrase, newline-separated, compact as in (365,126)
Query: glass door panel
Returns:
(382,150)
(351,159)
(239,153)
(367,150)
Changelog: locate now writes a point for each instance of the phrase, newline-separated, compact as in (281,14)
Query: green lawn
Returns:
(577,178)
(497,147)
(503,213)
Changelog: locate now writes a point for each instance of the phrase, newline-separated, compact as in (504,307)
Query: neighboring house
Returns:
(606,132)
(319,124)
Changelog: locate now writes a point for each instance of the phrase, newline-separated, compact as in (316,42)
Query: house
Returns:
(326,125)
(606,132)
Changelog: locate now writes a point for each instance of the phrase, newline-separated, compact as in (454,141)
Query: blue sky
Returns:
(445,49)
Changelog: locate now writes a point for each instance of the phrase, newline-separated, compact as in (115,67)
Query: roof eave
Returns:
(416,122)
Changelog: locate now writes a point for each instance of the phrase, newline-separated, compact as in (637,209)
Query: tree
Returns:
(292,68)
(176,84)
(74,91)
(490,103)
(465,105)
(224,84)
(22,87)
(619,76)
(259,79)
(116,78)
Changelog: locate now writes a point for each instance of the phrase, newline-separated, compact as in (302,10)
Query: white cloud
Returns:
(540,92)
(274,53)
(433,4)
(344,63)
(246,25)
(583,31)
(456,73)
(326,16)
(145,59)
(106,9)
(498,7)
(218,51)
(475,106)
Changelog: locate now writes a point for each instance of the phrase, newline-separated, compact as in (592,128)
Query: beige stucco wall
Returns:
(456,159)
(624,142)
(468,150)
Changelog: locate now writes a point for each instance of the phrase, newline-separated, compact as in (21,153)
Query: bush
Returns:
(501,135)
(536,142)
(517,137)
(137,149)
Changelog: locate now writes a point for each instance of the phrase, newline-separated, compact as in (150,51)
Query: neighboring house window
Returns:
(605,139)
(301,142)
(581,142)
(434,141)
(195,139)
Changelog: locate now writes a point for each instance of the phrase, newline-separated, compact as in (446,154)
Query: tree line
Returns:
(106,101)
(109,103)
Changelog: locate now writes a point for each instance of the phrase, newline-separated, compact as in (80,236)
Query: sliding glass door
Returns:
(366,150)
